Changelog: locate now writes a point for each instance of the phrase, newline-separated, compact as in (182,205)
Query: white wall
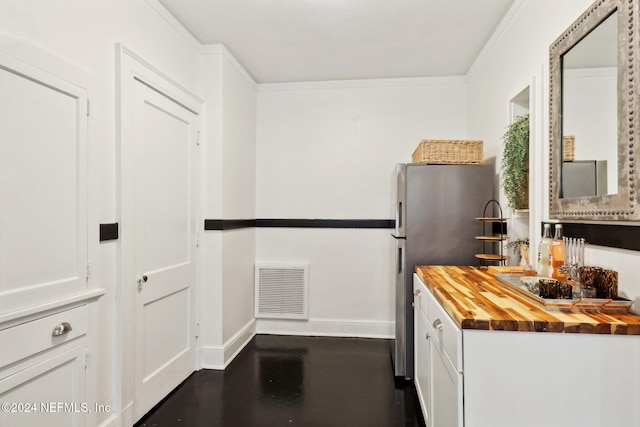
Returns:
(239,195)
(515,58)
(229,192)
(328,150)
(210,261)
(350,279)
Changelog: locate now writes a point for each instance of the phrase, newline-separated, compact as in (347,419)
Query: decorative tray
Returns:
(527,286)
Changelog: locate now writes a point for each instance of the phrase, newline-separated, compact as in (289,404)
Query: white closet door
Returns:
(159,123)
(165,231)
(43,193)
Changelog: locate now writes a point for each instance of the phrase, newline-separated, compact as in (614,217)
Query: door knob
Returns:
(142,279)
(437,325)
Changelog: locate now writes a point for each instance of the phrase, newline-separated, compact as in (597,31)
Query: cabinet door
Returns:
(49,393)
(43,189)
(423,363)
(447,383)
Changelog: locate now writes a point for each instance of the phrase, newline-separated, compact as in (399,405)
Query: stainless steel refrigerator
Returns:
(436,211)
(584,178)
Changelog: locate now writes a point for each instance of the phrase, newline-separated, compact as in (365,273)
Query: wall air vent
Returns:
(281,291)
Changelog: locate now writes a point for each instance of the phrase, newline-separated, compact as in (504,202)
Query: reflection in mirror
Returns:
(590,113)
(593,100)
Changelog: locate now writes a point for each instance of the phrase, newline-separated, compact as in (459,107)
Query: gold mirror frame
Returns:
(624,204)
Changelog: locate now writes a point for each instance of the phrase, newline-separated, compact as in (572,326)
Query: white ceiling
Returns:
(316,40)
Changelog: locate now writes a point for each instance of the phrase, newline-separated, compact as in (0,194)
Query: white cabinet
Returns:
(438,370)
(481,378)
(42,371)
(44,243)
(422,357)
(43,182)
(49,392)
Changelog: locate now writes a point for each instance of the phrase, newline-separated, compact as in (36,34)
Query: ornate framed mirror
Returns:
(595,116)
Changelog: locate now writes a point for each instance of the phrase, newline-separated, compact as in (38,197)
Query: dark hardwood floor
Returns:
(288,380)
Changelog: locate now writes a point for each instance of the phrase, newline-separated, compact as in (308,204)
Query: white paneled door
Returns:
(162,143)
(165,245)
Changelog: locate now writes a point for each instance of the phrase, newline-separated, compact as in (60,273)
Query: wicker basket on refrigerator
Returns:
(448,152)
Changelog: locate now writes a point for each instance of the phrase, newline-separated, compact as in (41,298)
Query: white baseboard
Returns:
(219,357)
(327,327)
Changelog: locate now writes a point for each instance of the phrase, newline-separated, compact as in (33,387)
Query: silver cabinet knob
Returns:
(437,325)
(61,329)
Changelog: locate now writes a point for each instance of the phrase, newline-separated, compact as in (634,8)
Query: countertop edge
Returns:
(511,318)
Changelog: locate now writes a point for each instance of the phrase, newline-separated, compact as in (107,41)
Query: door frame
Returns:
(131,69)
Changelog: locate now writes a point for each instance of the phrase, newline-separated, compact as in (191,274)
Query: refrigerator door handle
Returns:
(400,260)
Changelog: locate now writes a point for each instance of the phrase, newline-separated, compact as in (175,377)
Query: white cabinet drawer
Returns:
(446,330)
(420,292)
(36,336)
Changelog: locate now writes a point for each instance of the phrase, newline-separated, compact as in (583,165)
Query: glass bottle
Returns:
(543,252)
(556,255)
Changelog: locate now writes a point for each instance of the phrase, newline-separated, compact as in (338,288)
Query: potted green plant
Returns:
(515,163)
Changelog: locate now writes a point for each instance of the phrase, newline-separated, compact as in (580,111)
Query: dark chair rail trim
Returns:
(230,224)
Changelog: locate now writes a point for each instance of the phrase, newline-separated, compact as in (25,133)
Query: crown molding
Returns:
(496,36)
(175,24)
(203,49)
(219,49)
(363,83)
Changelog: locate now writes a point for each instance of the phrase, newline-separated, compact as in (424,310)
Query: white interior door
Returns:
(165,144)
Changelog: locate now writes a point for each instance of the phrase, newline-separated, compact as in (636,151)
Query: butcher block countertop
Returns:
(476,299)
